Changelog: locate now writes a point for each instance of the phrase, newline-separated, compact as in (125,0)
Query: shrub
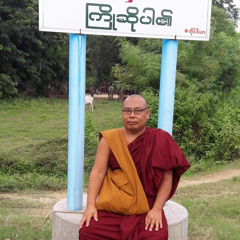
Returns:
(226,121)
(151,97)
(7,87)
(36,181)
(206,125)
(91,142)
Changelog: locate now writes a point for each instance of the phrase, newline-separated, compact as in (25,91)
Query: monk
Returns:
(159,162)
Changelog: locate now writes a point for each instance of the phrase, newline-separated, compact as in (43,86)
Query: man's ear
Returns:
(148,113)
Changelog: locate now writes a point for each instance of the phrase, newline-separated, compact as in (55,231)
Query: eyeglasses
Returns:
(137,111)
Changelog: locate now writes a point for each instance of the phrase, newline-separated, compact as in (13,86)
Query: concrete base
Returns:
(66,224)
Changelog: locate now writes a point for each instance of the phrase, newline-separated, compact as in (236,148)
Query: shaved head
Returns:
(141,99)
(135,120)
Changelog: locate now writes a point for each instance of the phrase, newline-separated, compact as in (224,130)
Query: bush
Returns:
(50,158)
(91,142)
(226,121)
(36,181)
(206,126)
(151,97)
(7,87)
(193,114)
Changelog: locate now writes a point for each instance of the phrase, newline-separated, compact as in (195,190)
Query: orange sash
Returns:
(122,191)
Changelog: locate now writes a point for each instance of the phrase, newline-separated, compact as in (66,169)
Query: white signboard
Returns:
(169,19)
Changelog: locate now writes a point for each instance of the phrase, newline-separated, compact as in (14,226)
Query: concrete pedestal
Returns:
(66,224)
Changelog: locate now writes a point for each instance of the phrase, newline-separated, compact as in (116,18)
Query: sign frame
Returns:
(64,17)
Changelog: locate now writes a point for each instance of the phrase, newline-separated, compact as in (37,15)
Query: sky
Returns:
(237,3)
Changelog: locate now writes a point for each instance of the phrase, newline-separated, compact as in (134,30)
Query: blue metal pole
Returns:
(167,84)
(76,124)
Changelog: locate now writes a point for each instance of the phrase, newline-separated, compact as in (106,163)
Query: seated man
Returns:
(159,163)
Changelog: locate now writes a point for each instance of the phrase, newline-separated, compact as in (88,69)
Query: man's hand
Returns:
(153,218)
(88,214)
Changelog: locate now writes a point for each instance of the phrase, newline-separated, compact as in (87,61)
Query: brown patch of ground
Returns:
(42,197)
(49,199)
(104,96)
(46,198)
(215,177)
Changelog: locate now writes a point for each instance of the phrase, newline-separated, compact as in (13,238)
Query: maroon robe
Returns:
(153,152)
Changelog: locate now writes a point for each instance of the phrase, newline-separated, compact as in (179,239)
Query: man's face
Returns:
(134,122)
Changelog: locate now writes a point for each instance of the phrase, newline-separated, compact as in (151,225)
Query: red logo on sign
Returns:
(129,1)
(194,31)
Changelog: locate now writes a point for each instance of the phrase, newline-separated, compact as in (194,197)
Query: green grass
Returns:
(33,141)
(205,168)
(33,155)
(22,219)
(26,123)
(107,115)
(214,211)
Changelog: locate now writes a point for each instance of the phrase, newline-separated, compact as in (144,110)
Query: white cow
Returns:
(89,100)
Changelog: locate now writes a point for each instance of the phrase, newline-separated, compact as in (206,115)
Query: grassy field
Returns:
(214,211)
(33,138)
(33,141)
(27,123)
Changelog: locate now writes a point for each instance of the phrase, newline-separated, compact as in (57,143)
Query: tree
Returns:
(28,56)
(215,64)
(102,55)
(229,7)
(140,63)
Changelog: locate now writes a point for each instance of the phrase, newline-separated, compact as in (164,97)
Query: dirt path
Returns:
(50,198)
(44,200)
(103,96)
(215,177)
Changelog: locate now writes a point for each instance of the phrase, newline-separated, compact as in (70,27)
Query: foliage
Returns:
(102,55)
(16,182)
(91,142)
(208,73)
(226,121)
(229,6)
(89,82)
(152,99)
(33,62)
(206,127)
(140,67)
(29,58)
(7,87)
(119,86)
(193,112)
(215,64)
